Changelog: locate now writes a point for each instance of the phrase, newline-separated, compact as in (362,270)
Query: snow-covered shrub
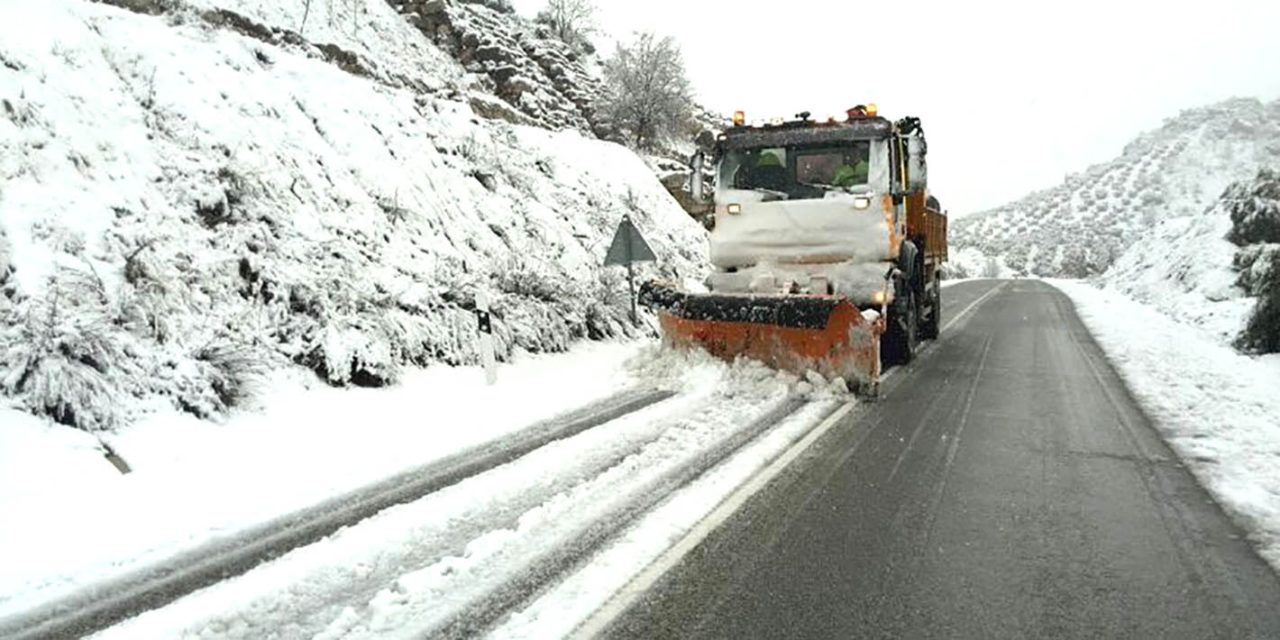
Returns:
(1254,207)
(212,379)
(522,277)
(153,301)
(502,6)
(355,352)
(61,357)
(6,266)
(1260,275)
(344,326)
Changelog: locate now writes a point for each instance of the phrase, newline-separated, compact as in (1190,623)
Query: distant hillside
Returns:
(1083,226)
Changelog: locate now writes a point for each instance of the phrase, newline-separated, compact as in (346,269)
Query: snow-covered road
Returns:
(533,545)
(458,561)
(1005,485)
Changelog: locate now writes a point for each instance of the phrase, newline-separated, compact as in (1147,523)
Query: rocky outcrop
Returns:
(538,76)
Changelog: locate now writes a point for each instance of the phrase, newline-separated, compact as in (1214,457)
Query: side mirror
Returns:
(695,179)
(917,168)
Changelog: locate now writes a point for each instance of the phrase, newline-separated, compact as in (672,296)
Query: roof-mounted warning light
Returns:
(739,118)
(863,111)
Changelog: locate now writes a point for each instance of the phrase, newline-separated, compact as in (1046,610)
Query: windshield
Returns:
(797,173)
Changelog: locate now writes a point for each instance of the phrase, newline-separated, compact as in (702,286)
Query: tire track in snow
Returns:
(536,569)
(321,581)
(99,606)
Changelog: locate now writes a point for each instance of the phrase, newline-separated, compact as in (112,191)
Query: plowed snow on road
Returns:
(549,536)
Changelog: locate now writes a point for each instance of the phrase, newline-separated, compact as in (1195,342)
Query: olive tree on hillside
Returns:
(646,97)
(572,21)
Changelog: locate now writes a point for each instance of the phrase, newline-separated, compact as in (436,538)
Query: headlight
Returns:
(861,202)
(735,208)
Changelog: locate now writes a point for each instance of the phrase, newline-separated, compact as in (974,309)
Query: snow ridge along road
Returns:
(511,546)
(98,606)
(478,616)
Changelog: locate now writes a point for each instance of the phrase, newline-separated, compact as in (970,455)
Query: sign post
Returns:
(628,247)
(485,320)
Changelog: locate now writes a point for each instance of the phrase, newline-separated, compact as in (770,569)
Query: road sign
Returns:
(628,247)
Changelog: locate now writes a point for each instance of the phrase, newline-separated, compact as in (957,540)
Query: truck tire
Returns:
(902,335)
(931,328)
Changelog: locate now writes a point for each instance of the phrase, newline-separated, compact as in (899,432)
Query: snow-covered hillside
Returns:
(197,191)
(1155,224)
(1209,268)
(1081,227)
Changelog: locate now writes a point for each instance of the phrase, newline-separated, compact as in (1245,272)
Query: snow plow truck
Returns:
(826,248)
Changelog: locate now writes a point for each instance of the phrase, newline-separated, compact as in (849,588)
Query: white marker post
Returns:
(486,338)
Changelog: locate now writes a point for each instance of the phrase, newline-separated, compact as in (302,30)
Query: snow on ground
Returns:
(411,567)
(71,519)
(210,192)
(1219,410)
(1183,267)
(557,613)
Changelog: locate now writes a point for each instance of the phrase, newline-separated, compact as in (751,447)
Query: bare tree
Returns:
(306,12)
(572,21)
(646,97)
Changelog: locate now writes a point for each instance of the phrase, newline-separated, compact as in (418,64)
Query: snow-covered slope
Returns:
(1207,268)
(195,192)
(1081,227)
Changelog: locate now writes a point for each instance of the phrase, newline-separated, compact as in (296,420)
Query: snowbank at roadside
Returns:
(1219,410)
(71,518)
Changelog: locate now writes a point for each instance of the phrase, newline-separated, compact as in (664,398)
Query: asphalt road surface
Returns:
(1005,486)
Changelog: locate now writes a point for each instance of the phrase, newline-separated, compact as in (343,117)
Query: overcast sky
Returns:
(1013,95)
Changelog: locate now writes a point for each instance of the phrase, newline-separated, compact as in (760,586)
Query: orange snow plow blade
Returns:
(796,333)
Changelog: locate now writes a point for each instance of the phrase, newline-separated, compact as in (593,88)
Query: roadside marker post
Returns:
(485,319)
(628,247)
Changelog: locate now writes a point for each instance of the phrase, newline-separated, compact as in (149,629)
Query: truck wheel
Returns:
(931,328)
(902,334)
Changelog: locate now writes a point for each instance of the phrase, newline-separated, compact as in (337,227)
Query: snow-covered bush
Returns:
(60,355)
(6,266)
(1260,275)
(1254,207)
(503,6)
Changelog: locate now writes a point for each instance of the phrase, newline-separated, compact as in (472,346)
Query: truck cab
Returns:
(831,208)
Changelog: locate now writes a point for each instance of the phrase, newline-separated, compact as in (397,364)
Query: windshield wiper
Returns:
(777,195)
